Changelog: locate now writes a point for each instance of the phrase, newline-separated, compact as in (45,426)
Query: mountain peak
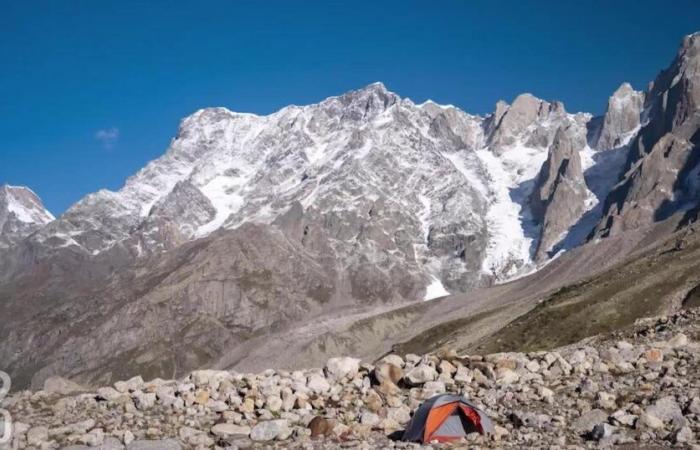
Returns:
(376,86)
(691,40)
(21,211)
(376,89)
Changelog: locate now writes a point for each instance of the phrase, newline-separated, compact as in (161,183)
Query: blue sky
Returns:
(92,90)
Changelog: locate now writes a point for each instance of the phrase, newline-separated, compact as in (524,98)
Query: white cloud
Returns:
(107,137)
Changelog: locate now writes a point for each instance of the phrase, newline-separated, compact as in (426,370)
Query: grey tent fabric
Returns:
(453,426)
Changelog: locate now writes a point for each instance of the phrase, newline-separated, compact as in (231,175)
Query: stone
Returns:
(226,430)
(201,397)
(374,401)
(273,403)
(601,431)
(448,354)
(463,375)
(479,377)
(683,435)
(666,409)
(320,427)
(606,400)
(144,401)
(342,368)
(432,388)
(623,418)
(369,418)
(588,420)
(651,421)
(394,359)
(499,432)
(388,425)
(128,437)
(130,385)
(270,430)
(318,384)
(288,399)
(446,367)
(679,340)
(694,405)
(506,376)
(388,372)
(108,393)
(94,438)
(654,355)
(163,444)
(37,436)
(421,374)
(533,366)
(546,394)
(208,378)
(400,415)
(247,406)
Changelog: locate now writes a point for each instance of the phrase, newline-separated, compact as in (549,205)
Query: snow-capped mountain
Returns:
(21,213)
(449,199)
(426,188)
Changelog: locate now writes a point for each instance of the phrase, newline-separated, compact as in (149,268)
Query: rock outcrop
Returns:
(559,197)
(529,121)
(622,118)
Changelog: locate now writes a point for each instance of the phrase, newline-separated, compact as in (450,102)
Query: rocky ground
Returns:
(638,388)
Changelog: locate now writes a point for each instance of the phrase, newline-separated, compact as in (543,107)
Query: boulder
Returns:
(162,444)
(588,420)
(318,384)
(226,430)
(666,409)
(270,430)
(341,368)
(130,385)
(388,372)
(651,421)
(421,374)
(320,427)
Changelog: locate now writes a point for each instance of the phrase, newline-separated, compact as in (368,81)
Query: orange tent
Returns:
(446,418)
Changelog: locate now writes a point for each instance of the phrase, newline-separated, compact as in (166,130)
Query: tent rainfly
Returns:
(446,418)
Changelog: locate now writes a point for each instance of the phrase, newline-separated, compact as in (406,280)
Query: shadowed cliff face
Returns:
(663,171)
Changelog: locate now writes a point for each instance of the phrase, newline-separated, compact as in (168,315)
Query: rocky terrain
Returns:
(639,388)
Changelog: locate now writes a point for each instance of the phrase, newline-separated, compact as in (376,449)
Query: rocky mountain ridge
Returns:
(342,161)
